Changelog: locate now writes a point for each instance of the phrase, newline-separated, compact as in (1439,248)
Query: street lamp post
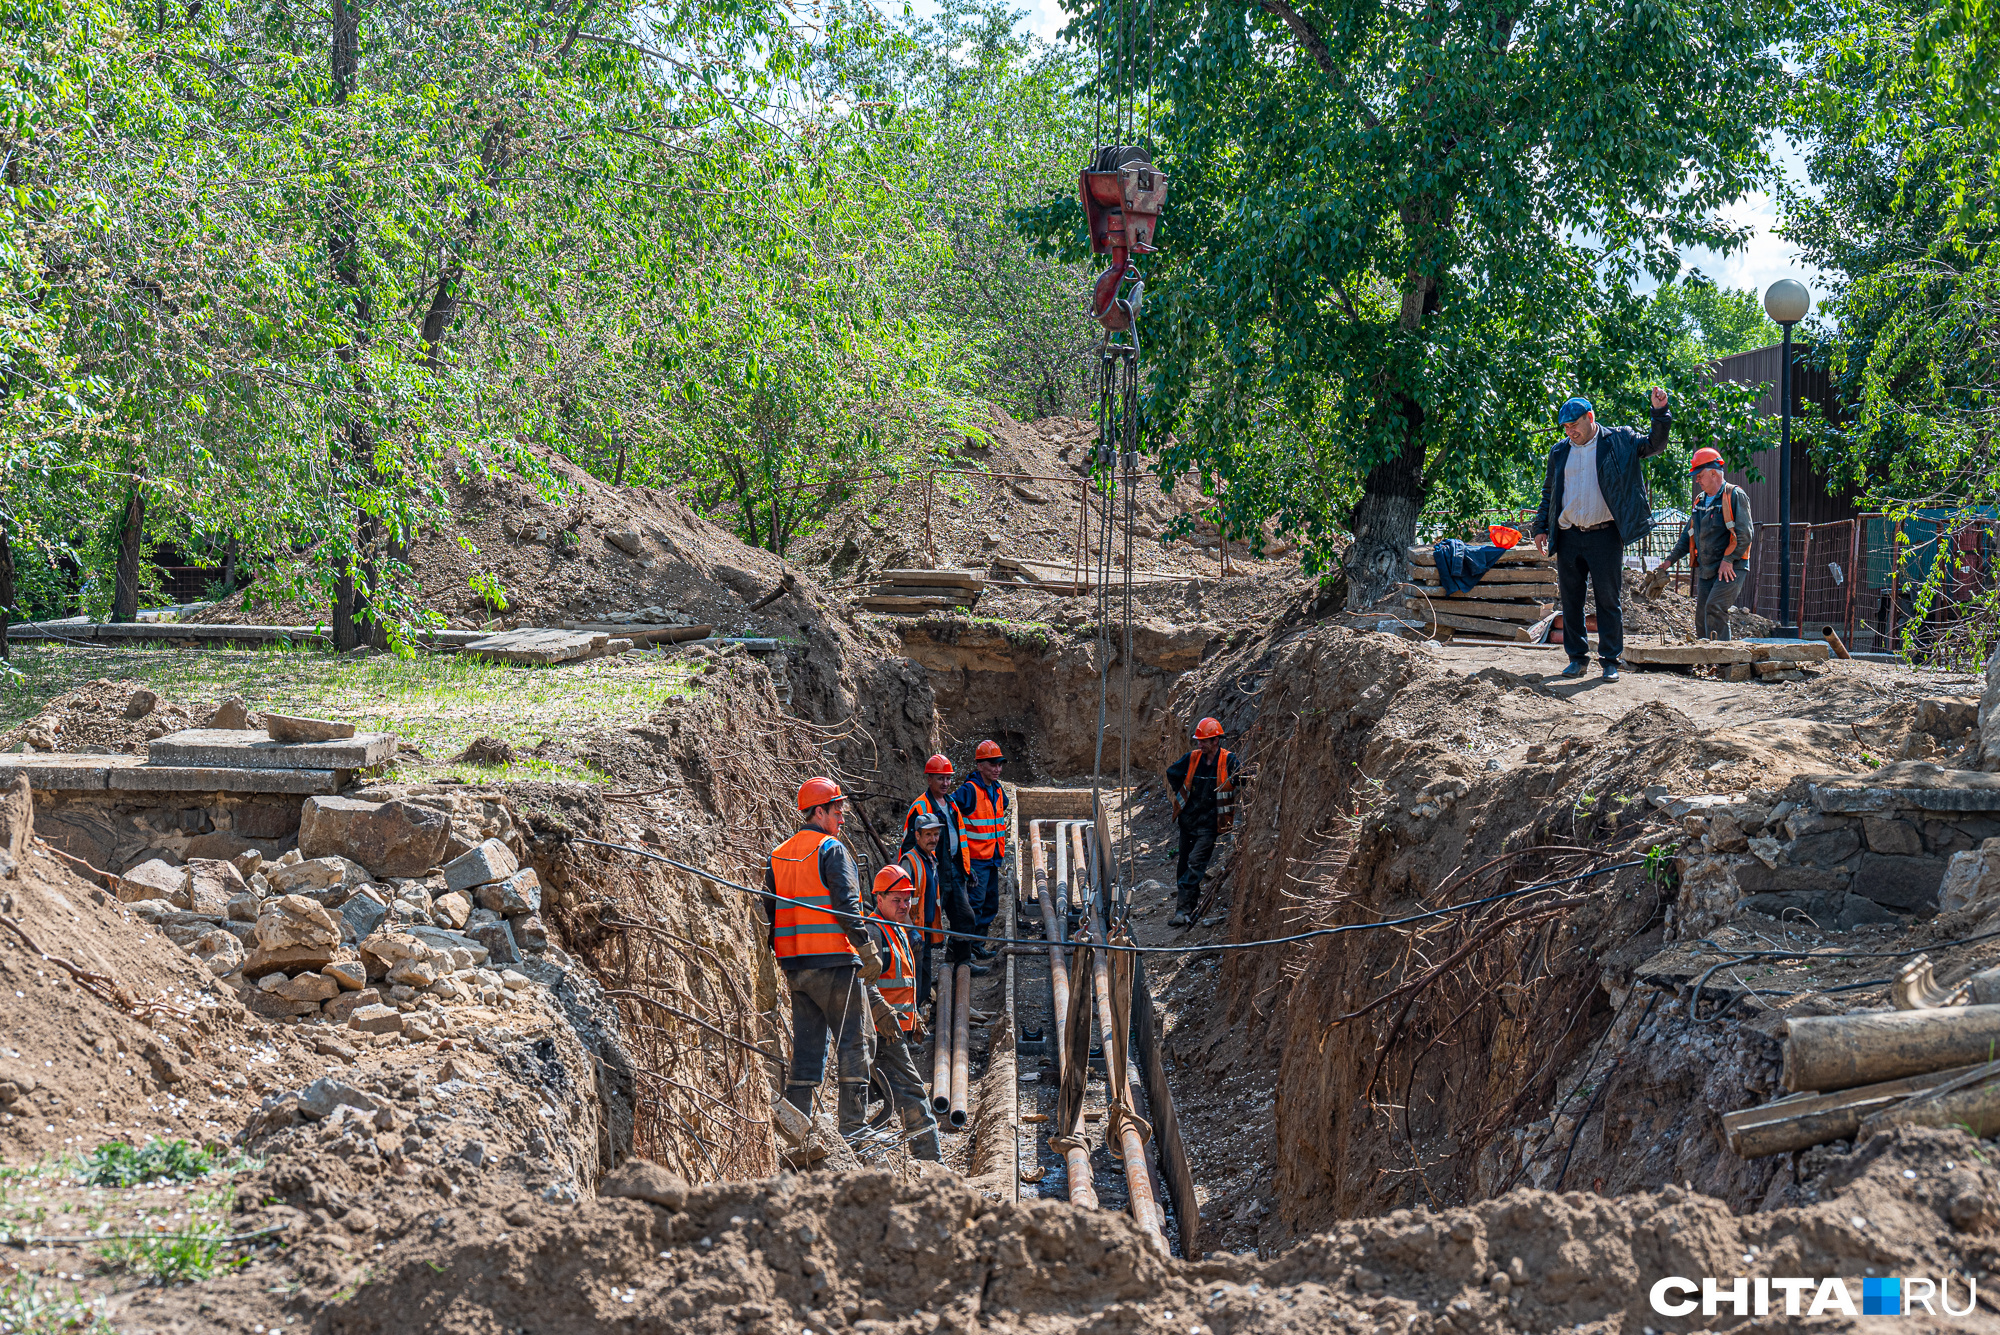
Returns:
(1787,302)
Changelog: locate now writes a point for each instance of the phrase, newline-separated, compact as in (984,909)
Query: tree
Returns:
(1386,224)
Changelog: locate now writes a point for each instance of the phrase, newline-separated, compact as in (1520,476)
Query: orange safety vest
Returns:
(898,983)
(803,924)
(947,813)
(986,827)
(1225,790)
(923,897)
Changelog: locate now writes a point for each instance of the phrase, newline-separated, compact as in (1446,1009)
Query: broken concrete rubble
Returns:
(492,860)
(390,839)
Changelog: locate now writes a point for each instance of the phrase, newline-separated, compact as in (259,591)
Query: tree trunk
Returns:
(1385,519)
(131,547)
(229,550)
(6,590)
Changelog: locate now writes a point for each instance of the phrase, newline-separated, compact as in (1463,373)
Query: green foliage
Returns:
(1373,286)
(119,1164)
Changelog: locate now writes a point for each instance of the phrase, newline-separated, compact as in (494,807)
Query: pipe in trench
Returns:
(961,1043)
(941,1045)
(1138,1181)
(1076,1159)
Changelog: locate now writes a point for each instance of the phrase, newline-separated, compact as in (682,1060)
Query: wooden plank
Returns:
(1168,1145)
(1524,555)
(1544,593)
(963,579)
(946,593)
(1500,630)
(644,634)
(539,645)
(1498,575)
(1525,613)
(905,605)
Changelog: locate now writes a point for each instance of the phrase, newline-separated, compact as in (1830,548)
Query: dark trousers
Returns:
(829,1004)
(958,912)
(1599,557)
(1712,601)
(984,891)
(1197,847)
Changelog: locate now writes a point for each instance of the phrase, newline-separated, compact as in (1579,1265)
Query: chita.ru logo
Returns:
(1763,1296)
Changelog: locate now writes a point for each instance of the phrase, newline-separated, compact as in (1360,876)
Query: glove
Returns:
(871,961)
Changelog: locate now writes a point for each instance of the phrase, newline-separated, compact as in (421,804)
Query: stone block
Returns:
(154,879)
(290,921)
(1754,878)
(243,907)
(1821,907)
(344,1005)
(211,884)
(490,861)
(376,1019)
(289,728)
(323,1095)
(219,950)
(518,894)
(233,714)
(296,959)
(256,749)
(266,820)
(1971,878)
(1828,849)
(530,934)
(1887,834)
(1908,785)
(1900,883)
(363,914)
(498,939)
(271,1006)
(388,838)
(318,873)
(1857,911)
(450,911)
(351,975)
(1942,839)
(310,985)
(445,941)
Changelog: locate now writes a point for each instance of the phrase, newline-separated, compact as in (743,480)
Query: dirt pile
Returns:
(104,717)
(971,519)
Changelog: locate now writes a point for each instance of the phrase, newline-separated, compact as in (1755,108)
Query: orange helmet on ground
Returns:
(817,792)
(1506,539)
(988,750)
(1705,458)
(892,878)
(1207,728)
(938,765)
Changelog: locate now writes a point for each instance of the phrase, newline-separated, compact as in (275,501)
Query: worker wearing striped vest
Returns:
(951,859)
(817,932)
(1204,795)
(927,910)
(898,1024)
(982,802)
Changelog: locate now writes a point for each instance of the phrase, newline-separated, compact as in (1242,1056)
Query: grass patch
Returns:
(439,702)
(118,1164)
(191,1251)
(32,1305)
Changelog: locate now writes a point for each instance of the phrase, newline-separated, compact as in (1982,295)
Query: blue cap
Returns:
(1572,410)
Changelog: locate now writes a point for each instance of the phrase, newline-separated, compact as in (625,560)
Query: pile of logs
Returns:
(1515,600)
(1927,1063)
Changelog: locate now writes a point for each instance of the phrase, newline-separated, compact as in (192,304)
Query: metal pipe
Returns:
(941,1046)
(1832,638)
(1138,1182)
(961,1043)
(1062,863)
(1041,872)
(1081,880)
(1785,625)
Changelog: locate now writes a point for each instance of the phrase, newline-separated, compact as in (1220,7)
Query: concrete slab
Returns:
(1686,655)
(538,645)
(63,772)
(1909,785)
(252,748)
(222,779)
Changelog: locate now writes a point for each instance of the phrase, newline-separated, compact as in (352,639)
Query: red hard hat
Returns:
(817,792)
(937,765)
(988,750)
(890,877)
(1703,457)
(1207,728)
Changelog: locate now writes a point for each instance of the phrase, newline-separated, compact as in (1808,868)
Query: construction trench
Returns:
(1541,953)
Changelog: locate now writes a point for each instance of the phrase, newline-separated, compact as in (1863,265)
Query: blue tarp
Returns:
(1461,565)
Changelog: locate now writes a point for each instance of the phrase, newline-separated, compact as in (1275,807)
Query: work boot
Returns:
(924,1144)
(1181,918)
(1611,672)
(801,1097)
(1576,668)
(853,1107)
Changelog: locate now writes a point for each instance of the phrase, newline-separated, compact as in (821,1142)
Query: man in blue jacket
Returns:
(1594,505)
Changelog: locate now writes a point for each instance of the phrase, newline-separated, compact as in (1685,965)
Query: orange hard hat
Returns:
(1503,537)
(988,750)
(1704,457)
(1207,728)
(817,792)
(893,878)
(938,765)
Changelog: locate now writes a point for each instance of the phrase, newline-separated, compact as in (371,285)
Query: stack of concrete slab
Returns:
(1513,601)
(209,760)
(541,646)
(1737,660)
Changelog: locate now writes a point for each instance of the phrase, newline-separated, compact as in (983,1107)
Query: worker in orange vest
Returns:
(819,935)
(1204,795)
(982,802)
(951,857)
(898,1023)
(927,909)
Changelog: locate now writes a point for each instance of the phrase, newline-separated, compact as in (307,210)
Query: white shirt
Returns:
(1583,500)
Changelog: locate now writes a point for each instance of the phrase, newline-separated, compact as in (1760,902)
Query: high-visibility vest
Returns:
(929,905)
(986,827)
(803,924)
(953,824)
(898,982)
(1225,790)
